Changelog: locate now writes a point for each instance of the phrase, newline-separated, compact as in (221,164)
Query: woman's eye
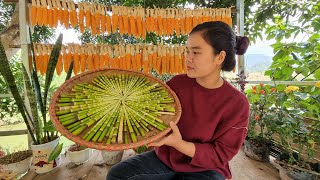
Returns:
(195,52)
(187,51)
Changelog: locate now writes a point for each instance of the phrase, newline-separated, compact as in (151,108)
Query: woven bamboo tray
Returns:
(87,77)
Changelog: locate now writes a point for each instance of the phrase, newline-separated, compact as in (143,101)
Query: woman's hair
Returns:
(221,37)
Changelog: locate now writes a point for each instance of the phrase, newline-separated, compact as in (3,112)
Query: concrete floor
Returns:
(242,168)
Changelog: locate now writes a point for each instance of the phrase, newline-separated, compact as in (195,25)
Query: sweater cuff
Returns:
(198,155)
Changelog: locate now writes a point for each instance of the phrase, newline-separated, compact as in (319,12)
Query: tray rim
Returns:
(102,146)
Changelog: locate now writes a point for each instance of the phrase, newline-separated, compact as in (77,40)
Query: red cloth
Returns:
(215,120)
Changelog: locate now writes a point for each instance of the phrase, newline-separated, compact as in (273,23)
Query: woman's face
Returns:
(201,61)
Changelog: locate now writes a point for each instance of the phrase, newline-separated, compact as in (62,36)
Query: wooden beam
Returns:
(14,132)
(10,1)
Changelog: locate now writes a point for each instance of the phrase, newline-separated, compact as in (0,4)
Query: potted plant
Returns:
(46,148)
(78,154)
(258,140)
(297,138)
(14,163)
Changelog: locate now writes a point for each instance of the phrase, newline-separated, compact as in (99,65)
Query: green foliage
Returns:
(6,10)
(284,111)
(42,34)
(56,152)
(8,108)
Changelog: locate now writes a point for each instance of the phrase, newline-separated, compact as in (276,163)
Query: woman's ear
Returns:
(220,57)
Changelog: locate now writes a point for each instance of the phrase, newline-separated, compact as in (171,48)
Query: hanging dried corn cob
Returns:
(76,59)
(132,16)
(96,56)
(127,57)
(177,22)
(42,13)
(145,62)
(90,57)
(38,56)
(87,11)
(108,21)
(138,56)
(33,12)
(55,14)
(83,58)
(73,14)
(50,14)
(81,16)
(125,19)
(109,55)
(115,19)
(60,11)
(64,58)
(103,56)
(103,18)
(148,20)
(59,66)
(93,24)
(65,20)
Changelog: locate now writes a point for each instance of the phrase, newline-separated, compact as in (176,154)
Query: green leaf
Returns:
(6,72)
(69,73)
(54,56)
(281,87)
(279,55)
(49,127)
(56,152)
(317,74)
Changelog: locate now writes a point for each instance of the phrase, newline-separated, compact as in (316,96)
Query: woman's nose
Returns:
(189,57)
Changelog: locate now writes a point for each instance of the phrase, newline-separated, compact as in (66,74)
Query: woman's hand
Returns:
(171,140)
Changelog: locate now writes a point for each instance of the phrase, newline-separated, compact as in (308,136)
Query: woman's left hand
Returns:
(172,140)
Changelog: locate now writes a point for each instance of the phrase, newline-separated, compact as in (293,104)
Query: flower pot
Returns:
(257,150)
(79,157)
(17,168)
(111,157)
(41,155)
(292,174)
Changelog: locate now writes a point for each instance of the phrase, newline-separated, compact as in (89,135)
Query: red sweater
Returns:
(215,120)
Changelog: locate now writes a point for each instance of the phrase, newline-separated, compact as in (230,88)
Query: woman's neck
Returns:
(210,82)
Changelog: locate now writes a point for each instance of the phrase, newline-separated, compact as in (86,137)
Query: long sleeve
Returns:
(215,120)
(222,149)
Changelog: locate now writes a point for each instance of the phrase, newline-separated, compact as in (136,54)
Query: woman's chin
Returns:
(191,74)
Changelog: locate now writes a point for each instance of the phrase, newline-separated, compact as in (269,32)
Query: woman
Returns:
(214,119)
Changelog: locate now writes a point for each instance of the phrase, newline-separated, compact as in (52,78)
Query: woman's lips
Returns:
(189,68)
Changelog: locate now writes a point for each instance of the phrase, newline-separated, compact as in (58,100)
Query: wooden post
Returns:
(25,50)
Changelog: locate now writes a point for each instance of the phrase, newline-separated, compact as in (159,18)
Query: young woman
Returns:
(214,119)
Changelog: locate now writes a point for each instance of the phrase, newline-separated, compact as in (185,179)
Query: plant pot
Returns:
(17,168)
(79,157)
(257,150)
(296,172)
(41,155)
(111,157)
(292,174)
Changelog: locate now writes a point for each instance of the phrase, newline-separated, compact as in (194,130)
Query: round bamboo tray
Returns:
(87,77)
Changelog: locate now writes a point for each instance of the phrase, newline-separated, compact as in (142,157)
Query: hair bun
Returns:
(242,44)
